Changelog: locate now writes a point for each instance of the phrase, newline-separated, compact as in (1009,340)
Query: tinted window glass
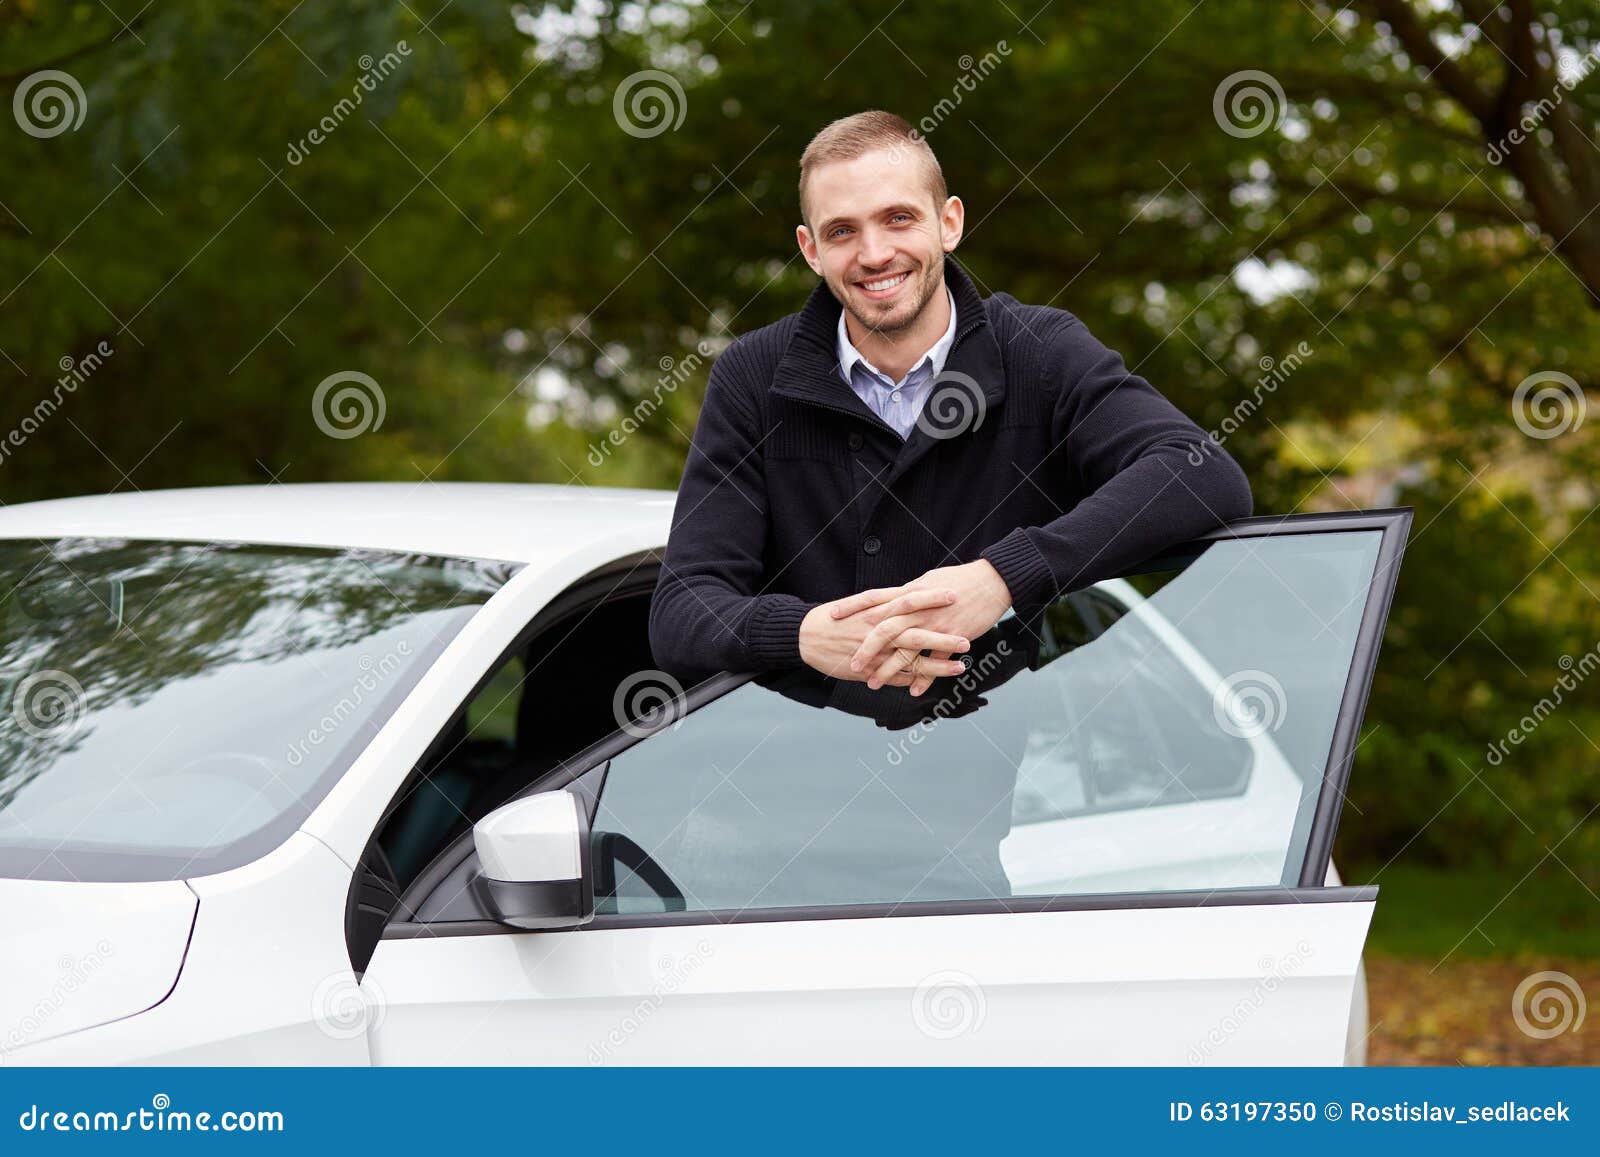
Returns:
(172,709)
(1165,733)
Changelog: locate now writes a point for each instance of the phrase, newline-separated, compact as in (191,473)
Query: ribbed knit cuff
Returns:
(773,634)
(1024,568)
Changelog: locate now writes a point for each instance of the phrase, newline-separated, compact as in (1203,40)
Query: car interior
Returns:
(536,708)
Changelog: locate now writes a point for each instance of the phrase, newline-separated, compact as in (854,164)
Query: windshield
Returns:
(174,709)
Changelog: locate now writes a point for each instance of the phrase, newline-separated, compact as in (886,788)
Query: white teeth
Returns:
(886,283)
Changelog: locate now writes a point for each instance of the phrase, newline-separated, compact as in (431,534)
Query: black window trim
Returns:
(1394,524)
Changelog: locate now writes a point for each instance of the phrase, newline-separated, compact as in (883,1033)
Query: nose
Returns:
(876,248)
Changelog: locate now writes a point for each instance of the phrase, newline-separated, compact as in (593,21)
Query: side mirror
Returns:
(533,855)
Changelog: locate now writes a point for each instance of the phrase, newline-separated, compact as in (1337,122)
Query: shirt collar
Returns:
(849,355)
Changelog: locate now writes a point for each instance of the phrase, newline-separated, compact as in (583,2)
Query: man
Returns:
(876,480)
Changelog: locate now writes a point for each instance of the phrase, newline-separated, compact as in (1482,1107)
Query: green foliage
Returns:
(520,275)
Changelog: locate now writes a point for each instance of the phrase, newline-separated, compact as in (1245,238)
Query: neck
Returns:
(895,353)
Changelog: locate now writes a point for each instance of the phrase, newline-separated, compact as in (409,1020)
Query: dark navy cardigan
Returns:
(1039,451)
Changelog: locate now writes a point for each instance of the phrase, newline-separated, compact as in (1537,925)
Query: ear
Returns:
(808,248)
(952,221)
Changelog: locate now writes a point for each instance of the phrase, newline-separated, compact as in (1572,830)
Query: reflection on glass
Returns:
(1161,733)
(171,709)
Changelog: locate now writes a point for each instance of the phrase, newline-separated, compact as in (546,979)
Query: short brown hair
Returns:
(849,137)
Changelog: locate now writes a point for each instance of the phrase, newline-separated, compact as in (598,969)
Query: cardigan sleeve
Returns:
(708,613)
(1150,477)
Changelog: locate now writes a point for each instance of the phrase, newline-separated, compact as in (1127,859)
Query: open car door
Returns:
(1106,844)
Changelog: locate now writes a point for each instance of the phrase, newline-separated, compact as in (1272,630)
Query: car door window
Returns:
(1165,732)
(536,707)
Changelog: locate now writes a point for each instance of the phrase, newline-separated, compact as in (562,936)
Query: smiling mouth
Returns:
(883,287)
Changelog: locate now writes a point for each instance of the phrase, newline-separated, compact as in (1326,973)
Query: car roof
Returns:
(518,522)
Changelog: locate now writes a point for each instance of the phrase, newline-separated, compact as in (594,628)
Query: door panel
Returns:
(1240,983)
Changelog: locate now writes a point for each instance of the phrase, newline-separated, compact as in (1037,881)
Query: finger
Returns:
(910,602)
(903,631)
(845,607)
(920,599)
(877,641)
(928,671)
(923,639)
(931,668)
(899,659)
(906,661)
(923,681)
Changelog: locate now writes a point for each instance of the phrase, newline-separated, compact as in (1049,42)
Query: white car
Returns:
(385,774)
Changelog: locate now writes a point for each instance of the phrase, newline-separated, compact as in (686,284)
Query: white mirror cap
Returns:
(537,838)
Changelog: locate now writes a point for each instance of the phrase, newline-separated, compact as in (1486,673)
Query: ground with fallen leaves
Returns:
(1460,1013)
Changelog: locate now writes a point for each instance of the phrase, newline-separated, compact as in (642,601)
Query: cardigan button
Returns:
(871,544)
(855,441)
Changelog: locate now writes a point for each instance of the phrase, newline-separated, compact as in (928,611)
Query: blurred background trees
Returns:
(1376,220)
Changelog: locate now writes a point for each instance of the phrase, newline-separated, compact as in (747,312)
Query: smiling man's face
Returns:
(878,238)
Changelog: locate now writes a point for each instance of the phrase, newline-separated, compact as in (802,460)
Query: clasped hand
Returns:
(879,636)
